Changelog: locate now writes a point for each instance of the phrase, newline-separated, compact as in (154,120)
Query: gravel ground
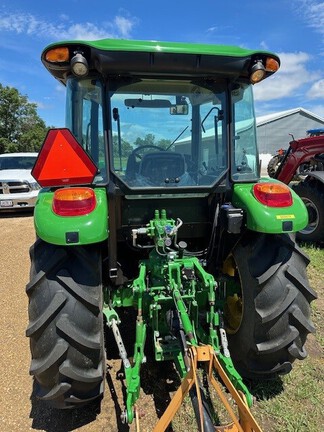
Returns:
(20,411)
(16,236)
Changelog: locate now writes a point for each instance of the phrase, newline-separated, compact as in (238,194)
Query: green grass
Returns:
(298,404)
(315,275)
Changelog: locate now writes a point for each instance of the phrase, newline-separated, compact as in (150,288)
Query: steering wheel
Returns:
(143,147)
(132,164)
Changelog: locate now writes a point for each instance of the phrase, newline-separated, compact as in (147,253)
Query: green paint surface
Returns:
(91,228)
(266,219)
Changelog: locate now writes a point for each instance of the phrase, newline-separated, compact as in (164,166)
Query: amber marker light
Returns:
(271,65)
(58,55)
(273,194)
(76,201)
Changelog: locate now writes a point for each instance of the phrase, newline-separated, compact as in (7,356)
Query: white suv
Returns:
(18,189)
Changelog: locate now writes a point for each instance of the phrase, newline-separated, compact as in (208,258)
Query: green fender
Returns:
(71,230)
(272,220)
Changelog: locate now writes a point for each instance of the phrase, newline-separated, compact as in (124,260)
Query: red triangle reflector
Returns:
(63,161)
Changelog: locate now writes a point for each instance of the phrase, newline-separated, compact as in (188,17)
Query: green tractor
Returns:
(152,203)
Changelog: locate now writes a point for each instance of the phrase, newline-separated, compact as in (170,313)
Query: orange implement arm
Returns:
(244,422)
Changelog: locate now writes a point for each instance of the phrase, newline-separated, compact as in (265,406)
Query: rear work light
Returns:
(261,67)
(273,194)
(76,201)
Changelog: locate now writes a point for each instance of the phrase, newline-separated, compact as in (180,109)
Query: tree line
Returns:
(148,140)
(21,128)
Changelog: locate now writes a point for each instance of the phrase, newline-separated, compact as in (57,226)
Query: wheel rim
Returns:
(313,216)
(233,307)
(233,312)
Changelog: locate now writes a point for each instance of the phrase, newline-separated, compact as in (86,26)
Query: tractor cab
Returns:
(165,133)
(165,117)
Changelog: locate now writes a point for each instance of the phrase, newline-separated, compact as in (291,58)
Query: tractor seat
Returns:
(162,167)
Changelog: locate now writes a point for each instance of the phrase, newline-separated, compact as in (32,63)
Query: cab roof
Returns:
(133,57)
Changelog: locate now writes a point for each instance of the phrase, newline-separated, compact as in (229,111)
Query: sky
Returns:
(293,29)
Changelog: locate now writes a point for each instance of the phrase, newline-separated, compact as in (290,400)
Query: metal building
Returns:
(273,129)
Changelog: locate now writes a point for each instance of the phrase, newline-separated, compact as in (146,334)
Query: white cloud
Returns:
(124,25)
(26,23)
(29,24)
(317,90)
(292,75)
(86,31)
(313,13)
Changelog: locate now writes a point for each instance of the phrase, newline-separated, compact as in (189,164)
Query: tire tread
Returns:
(66,323)
(276,312)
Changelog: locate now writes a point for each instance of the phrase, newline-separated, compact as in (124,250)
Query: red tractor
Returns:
(303,164)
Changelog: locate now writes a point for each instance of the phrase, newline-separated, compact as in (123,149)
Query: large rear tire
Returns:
(66,324)
(275,314)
